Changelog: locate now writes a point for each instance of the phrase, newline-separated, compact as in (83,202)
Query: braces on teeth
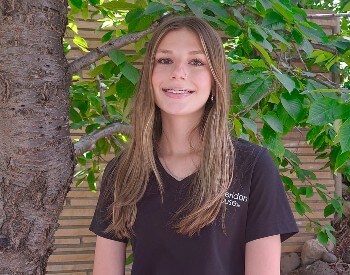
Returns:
(177,91)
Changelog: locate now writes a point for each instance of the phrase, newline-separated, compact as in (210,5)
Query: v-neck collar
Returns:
(169,177)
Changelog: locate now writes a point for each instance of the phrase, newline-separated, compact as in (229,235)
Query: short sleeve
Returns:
(102,219)
(269,212)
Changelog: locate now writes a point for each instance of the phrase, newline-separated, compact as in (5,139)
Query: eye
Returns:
(197,62)
(164,61)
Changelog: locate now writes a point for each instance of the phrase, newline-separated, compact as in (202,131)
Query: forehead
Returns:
(180,39)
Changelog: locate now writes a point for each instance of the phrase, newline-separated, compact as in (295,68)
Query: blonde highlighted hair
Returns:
(137,161)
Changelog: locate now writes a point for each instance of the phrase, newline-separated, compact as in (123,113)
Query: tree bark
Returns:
(36,152)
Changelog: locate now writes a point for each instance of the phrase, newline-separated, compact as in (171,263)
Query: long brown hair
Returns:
(215,170)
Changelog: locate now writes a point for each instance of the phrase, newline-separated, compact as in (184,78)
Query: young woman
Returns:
(192,199)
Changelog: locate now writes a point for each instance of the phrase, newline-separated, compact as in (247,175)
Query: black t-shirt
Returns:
(256,207)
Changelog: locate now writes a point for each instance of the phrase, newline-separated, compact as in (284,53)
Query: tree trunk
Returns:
(36,152)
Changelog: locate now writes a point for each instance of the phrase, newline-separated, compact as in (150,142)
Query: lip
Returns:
(177,95)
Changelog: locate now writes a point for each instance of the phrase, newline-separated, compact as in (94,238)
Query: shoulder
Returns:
(246,153)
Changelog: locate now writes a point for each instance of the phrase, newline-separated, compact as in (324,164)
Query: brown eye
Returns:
(164,61)
(197,62)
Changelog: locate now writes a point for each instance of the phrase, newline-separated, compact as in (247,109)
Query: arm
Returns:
(262,256)
(109,257)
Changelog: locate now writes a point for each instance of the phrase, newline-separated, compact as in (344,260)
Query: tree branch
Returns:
(88,142)
(320,46)
(101,89)
(300,57)
(328,15)
(328,83)
(102,51)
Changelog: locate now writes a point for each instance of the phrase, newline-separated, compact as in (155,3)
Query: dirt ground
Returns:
(342,235)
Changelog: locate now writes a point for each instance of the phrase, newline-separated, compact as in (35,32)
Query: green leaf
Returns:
(130,72)
(91,180)
(254,91)
(81,43)
(331,237)
(75,116)
(341,160)
(299,208)
(278,37)
(309,192)
(73,27)
(283,10)
(286,81)
(306,207)
(312,31)
(263,52)
(155,7)
(322,195)
(134,15)
(321,186)
(344,136)
(79,181)
(346,6)
(287,181)
(237,127)
(250,124)
(84,10)
(322,237)
(79,173)
(293,157)
(266,4)
(272,141)
(76,3)
(107,70)
(107,36)
(293,106)
(326,110)
(273,21)
(118,57)
(328,210)
(217,8)
(119,5)
(298,37)
(95,102)
(306,46)
(232,27)
(243,77)
(91,128)
(273,121)
(124,88)
(142,23)
(337,206)
(195,8)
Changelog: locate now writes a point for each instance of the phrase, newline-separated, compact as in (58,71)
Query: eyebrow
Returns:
(191,52)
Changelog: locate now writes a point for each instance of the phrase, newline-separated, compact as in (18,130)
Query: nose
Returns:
(179,72)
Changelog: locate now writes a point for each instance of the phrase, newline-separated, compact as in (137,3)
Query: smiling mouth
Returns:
(178,91)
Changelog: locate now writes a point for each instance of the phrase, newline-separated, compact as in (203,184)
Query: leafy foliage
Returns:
(271,93)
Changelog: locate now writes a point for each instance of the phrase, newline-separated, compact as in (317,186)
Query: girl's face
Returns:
(181,77)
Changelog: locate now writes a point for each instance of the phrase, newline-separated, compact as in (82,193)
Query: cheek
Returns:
(204,78)
(157,76)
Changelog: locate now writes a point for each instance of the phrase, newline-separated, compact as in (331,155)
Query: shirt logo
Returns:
(234,199)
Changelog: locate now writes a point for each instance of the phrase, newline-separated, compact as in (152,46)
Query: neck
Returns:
(179,136)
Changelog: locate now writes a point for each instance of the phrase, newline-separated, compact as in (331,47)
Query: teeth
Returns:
(177,91)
